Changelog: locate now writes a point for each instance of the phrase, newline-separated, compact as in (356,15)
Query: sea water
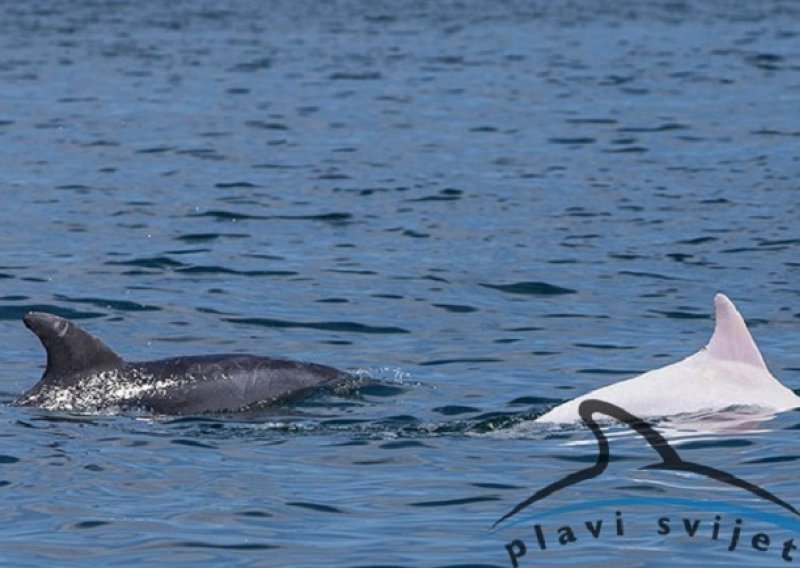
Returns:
(488,207)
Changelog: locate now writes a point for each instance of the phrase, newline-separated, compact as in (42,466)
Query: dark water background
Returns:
(492,207)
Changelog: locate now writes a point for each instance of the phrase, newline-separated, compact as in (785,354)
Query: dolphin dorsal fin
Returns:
(70,350)
(731,340)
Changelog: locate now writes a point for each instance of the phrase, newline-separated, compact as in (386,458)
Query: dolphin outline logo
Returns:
(670,459)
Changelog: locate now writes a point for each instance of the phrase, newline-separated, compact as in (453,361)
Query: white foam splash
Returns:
(386,374)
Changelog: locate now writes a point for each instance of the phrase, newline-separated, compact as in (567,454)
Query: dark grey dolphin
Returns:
(83,374)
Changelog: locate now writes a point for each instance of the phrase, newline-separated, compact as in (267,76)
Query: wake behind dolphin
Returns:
(83,374)
(728,372)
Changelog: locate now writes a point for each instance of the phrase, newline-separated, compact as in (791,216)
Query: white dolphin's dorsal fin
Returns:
(731,340)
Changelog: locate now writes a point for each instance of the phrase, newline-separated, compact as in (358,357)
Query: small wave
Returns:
(161,262)
(200,269)
(531,288)
(16,312)
(338,326)
(117,305)
(223,215)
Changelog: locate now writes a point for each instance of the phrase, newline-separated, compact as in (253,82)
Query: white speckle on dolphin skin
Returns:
(102,390)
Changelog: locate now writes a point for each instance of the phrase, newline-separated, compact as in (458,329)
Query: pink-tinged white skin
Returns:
(729,371)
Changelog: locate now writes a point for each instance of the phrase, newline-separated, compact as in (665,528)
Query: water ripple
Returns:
(337,326)
(531,288)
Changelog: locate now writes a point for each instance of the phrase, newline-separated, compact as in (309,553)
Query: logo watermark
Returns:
(717,524)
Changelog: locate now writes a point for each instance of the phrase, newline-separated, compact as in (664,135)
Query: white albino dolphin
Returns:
(727,372)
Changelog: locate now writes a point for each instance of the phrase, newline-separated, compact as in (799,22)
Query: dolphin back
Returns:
(230,382)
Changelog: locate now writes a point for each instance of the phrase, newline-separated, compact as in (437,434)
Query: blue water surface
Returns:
(488,207)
